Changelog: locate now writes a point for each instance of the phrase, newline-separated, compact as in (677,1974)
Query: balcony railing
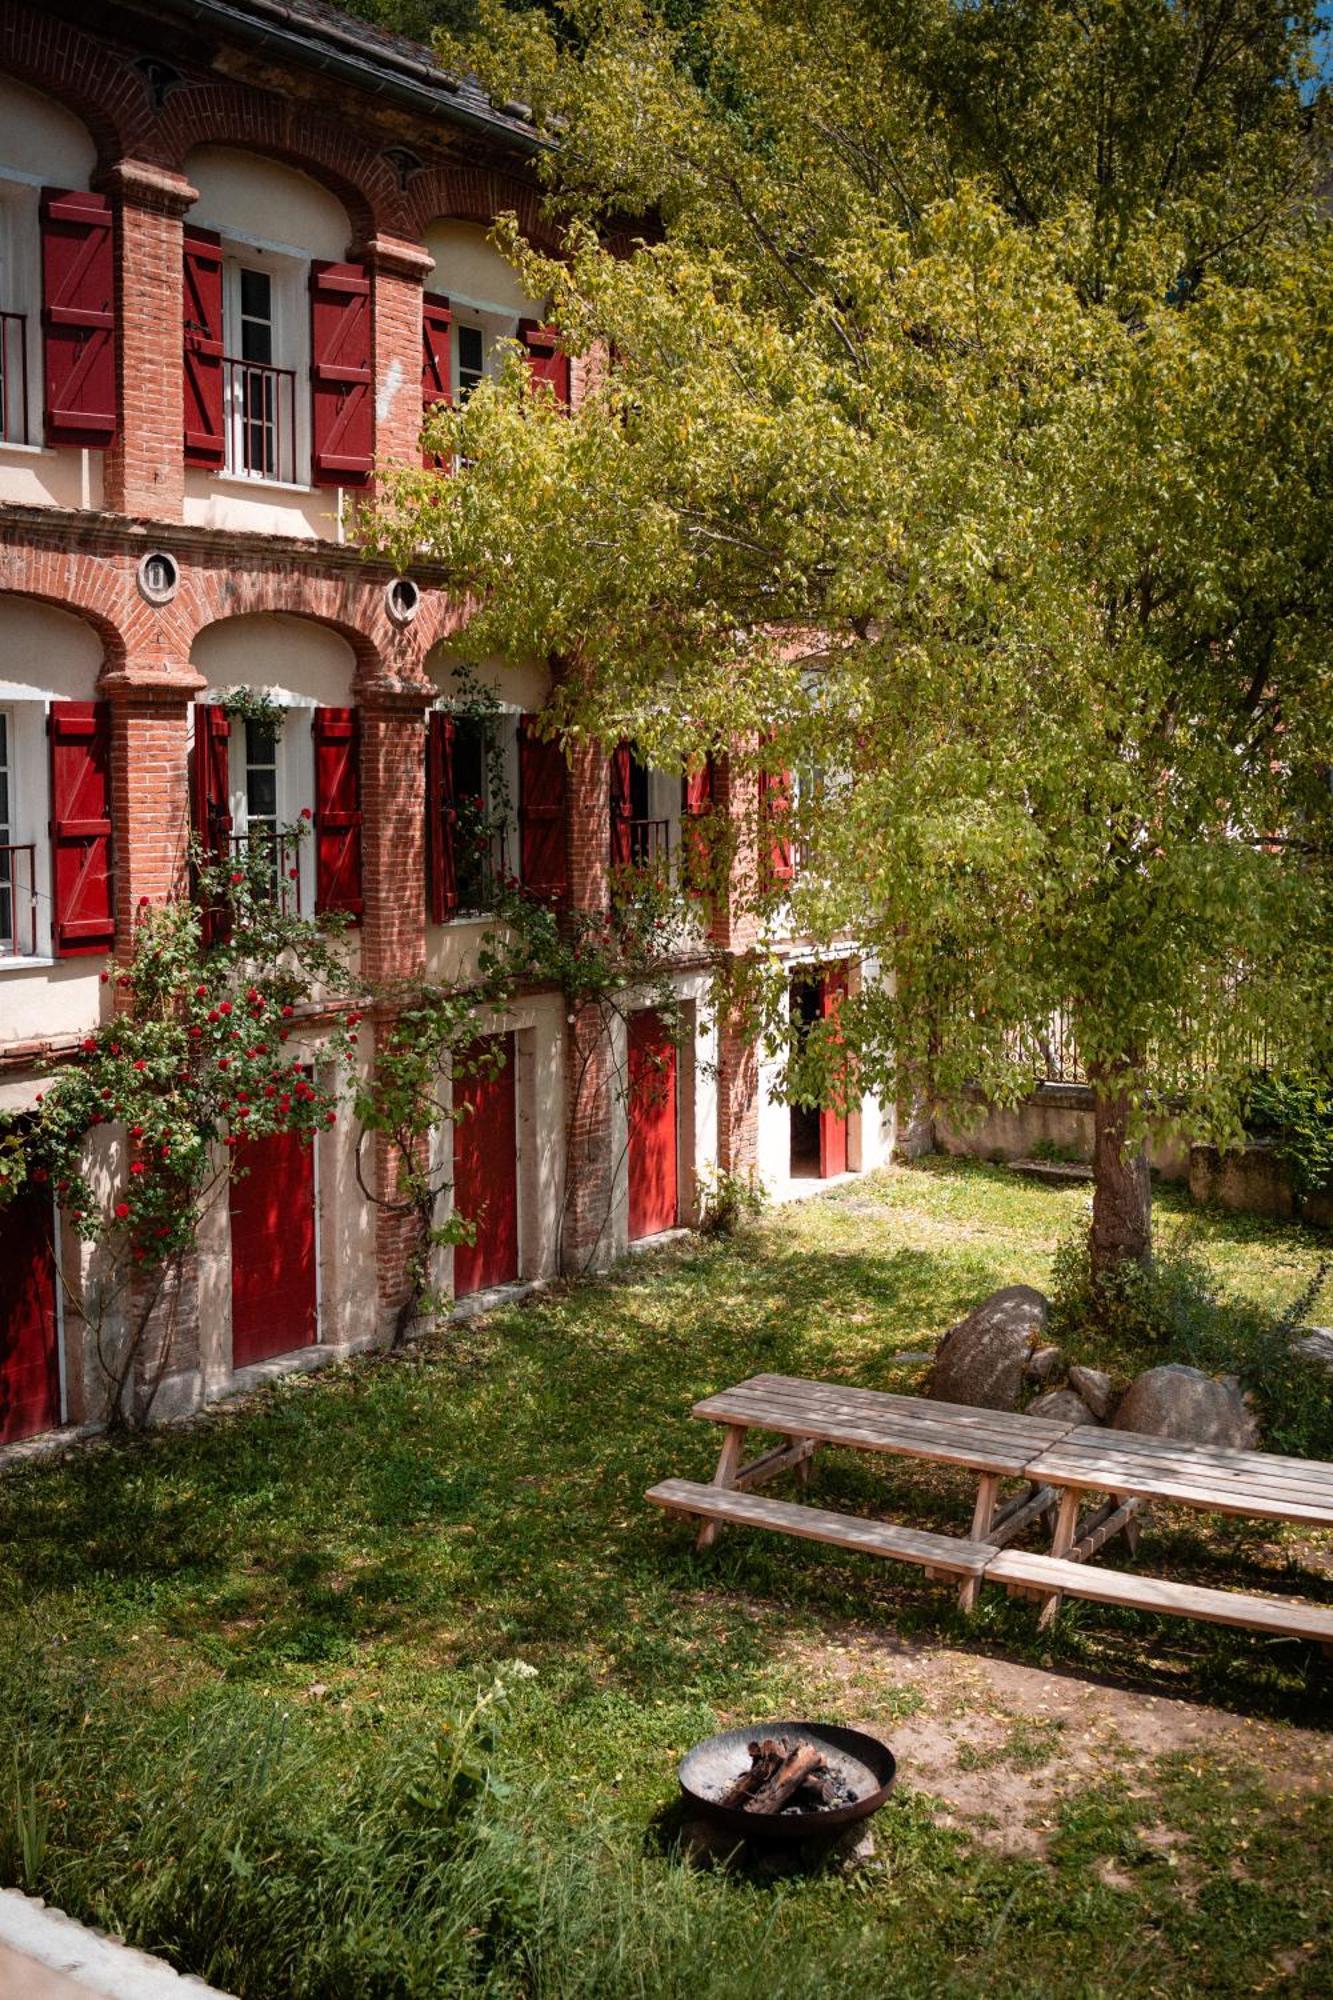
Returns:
(14,378)
(649,840)
(273,863)
(18,901)
(261,420)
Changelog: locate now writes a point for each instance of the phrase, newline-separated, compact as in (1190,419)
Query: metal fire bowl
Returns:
(861,1762)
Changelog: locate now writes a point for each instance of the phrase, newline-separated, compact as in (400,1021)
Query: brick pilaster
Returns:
(144,471)
(734,929)
(589,828)
(393,839)
(398,273)
(150,799)
(589,1171)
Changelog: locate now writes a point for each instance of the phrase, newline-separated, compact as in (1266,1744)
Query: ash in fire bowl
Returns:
(786,1780)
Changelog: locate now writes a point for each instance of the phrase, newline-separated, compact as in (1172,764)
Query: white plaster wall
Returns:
(471,270)
(45,1003)
(295,660)
(215,500)
(46,654)
(260,201)
(41,145)
(524,685)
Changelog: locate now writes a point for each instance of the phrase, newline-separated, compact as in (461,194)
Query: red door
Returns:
(273,1297)
(29,1356)
(486,1172)
(832,1124)
(652,1126)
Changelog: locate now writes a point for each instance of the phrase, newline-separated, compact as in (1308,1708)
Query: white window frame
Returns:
(21,292)
(496,325)
(293,764)
(289,279)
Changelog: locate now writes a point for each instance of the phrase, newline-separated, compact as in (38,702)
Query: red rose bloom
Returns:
(287,1013)
(201,993)
(122,1210)
(90,1043)
(140,1063)
(225,1007)
(138,1167)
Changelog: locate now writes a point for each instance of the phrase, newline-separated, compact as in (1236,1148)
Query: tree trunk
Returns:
(1121,1190)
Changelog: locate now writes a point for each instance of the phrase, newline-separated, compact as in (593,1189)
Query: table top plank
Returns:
(1305,1472)
(1180,1479)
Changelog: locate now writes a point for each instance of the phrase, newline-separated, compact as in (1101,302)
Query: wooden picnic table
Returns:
(1059,1463)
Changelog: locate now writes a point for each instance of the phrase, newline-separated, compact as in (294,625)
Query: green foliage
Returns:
(728,1201)
(1173,1309)
(1297,1113)
(246,704)
(966,438)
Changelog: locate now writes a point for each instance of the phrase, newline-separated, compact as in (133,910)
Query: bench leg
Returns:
(728,1460)
(805,1466)
(1066,1522)
(983,1514)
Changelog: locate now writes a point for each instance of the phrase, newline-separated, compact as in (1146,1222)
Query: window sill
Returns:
(28,450)
(25,963)
(244,483)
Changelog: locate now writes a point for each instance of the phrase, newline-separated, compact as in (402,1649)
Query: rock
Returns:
(1176,1401)
(1095,1389)
(1062,1406)
(982,1360)
(1316,1345)
(1042,1363)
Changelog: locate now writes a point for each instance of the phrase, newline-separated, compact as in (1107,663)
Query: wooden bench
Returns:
(1052,1576)
(948,1554)
(1060,1463)
(993,1443)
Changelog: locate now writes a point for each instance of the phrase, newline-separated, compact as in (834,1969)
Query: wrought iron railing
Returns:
(18,900)
(14,378)
(274,864)
(649,840)
(261,420)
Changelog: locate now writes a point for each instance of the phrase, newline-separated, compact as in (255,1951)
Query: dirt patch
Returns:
(1001,1746)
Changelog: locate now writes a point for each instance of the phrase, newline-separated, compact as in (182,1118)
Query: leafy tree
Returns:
(966,440)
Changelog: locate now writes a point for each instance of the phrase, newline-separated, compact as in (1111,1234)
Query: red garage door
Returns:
(486,1172)
(652,1125)
(29,1353)
(273,1297)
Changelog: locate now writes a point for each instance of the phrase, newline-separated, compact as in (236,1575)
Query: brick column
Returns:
(150,795)
(734,930)
(398,273)
(585,1242)
(144,471)
(393,836)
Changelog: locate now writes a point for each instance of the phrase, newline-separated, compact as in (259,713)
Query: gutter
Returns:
(292,38)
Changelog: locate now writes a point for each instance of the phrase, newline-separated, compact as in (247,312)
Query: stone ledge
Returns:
(45,1955)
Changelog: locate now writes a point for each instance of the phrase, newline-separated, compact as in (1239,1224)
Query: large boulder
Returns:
(1316,1345)
(1062,1406)
(1180,1402)
(983,1359)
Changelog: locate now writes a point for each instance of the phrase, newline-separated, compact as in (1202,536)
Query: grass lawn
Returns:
(238,1664)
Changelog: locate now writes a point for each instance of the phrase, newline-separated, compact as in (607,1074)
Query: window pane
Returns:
(261,793)
(256,315)
(261,745)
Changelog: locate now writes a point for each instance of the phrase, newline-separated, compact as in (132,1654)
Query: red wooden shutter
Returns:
(542,811)
(775,804)
(436,372)
(337,810)
(833,1118)
(342,409)
(622,805)
(441,816)
(83,906)
(205,435)
(545,359)
(79,318)
(212,805)
(698,790)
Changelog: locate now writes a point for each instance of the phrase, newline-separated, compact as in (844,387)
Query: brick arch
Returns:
(389,658)
(56,579)
(79,73)
(474,194)
(229,114)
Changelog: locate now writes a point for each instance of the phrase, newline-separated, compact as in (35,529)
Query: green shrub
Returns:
(1172,1309)
(1296,1113)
